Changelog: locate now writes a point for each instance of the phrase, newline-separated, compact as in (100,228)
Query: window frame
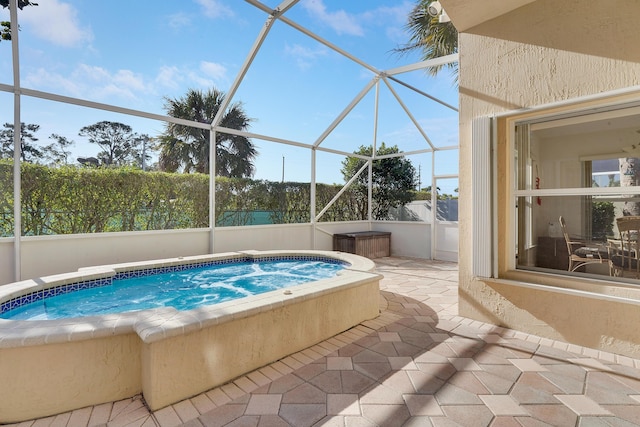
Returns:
(507,193)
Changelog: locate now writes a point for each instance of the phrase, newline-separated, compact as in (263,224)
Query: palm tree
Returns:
(187,147)
(428,35)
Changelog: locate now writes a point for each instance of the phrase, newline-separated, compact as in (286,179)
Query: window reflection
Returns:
(575,193)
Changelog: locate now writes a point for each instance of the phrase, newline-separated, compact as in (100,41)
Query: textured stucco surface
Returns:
(540,54)
(185,365)
(49,379)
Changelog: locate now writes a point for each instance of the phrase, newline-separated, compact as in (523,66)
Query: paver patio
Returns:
(418,364)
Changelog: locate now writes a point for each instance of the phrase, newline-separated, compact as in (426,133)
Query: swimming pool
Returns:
(183,287)
(54,366)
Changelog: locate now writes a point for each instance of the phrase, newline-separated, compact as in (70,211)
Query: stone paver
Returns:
(417,364)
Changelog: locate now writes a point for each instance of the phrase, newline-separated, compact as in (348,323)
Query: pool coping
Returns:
(159,323)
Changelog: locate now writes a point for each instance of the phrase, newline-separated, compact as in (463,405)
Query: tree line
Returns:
(73,200)
(70,200)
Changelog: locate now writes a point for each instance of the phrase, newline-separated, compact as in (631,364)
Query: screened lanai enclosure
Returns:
(320,127)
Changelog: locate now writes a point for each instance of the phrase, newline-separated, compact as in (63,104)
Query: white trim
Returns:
(577,191)
(607,156)
(494,191)
(584,116)
(576,101)
(482,223)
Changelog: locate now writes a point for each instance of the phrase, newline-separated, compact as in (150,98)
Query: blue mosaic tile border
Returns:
(88,284)
(52,292)
(328,260)
(173,268)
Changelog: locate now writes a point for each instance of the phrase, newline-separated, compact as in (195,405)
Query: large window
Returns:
(575,175)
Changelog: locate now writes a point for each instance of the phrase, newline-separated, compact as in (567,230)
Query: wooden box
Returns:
(369,244)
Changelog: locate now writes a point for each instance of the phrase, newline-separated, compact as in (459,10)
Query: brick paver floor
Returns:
(418,364)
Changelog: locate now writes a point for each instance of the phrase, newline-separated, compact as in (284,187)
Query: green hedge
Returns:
(71,200)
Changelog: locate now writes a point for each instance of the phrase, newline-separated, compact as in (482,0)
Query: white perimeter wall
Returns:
(47,255)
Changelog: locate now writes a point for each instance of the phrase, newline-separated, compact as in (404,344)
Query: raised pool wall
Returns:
(53,366)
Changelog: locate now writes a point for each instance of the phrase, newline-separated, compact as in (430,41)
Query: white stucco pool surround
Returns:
(53,366)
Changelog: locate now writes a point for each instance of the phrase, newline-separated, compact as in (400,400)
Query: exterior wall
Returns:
(264,237)
(180,367)
(542,53)
(6,261)
(47,255)
(408,239)
(66,376)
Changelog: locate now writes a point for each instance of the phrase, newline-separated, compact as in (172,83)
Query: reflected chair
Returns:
(582,253)
(623,257)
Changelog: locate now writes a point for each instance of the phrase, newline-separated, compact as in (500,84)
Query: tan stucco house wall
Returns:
(542,52)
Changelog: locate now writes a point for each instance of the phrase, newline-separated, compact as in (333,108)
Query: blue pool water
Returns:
(183,290)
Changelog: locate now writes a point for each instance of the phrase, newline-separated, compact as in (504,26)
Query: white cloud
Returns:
(301,51)
(199,80)
(169,77)
(129,79)
(216,71)
(179,20)
(91,82)
(44,79)
(395,19)
(56,22)
(100,84)
(304,56)
(215,8)
(341,21)
(395,15)
(103,84)
(207,75)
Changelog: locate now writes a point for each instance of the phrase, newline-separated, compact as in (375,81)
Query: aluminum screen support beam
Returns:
(212,191)
(406,110)
(376,109)
(374,151)
(370,193)
(328,44)
(434,208)
(312,204)
(17,154)
(433,98)
(346,111)
(441,60)
(222,129)
(343,189)
(284,6)
(262,35)
(105,107)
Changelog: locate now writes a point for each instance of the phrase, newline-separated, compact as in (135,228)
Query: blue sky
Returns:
(135,54)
